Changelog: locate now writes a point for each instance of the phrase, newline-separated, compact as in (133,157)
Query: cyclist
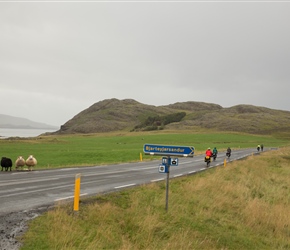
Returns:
(214,153)
(229,152)
(208,152)
(208,155)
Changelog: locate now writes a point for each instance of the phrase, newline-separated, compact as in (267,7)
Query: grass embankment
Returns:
(100,149)
(244,205)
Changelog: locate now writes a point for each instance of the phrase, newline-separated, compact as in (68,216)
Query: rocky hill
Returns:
(130,115)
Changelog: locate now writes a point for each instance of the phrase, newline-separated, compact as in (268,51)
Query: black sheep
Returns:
(6,163)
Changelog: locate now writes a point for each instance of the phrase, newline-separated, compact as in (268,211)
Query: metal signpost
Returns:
(164,167)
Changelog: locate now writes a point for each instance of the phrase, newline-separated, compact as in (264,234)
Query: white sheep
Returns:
(30,162)
(19,163)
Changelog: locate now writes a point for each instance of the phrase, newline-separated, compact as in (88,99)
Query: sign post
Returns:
(183,151)
(167,184)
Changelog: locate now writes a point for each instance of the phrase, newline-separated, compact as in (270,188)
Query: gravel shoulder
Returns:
(13,226)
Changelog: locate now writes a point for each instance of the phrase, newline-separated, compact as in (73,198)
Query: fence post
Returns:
(77,192)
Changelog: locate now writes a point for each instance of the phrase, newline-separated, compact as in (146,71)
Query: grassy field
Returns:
(100,149)
(244,205)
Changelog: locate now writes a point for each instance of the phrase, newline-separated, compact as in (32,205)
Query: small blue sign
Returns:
(163,169)
(173,162)
(183,151)
(165,161)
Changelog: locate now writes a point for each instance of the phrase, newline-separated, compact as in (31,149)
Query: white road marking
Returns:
(27,181)
(36,191)
(26,172)
(46,189)
(161,179)
(137,169)
(69,197)
(68,169)
(133,184)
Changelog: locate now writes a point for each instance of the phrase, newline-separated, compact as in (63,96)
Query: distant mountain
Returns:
(7,121)
(130,115)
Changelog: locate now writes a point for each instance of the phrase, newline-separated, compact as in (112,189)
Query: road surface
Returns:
(20,191)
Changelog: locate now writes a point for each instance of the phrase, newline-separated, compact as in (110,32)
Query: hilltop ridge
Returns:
(129,115)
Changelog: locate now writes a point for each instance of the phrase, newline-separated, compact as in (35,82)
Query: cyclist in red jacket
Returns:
(208,155)
(208,152)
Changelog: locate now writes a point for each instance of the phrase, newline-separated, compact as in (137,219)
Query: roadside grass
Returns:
(111,148)
(244,205)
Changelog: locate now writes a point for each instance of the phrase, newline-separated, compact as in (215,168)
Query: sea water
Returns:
(8,132)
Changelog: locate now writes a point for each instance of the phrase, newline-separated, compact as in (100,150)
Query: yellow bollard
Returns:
(141,157)
(225,162)
(77,192)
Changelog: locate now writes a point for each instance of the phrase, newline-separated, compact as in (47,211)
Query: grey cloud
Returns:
(68,56)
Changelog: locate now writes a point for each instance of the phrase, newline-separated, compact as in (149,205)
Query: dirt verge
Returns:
(13,226)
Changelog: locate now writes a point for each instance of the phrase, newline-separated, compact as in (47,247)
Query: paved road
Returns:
(21,191)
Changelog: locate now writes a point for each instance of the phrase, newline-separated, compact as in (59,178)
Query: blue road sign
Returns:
(173,162)
(163,169)
(167,161)
(184,151)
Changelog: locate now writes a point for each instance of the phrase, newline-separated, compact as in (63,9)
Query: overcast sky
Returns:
(57,58)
